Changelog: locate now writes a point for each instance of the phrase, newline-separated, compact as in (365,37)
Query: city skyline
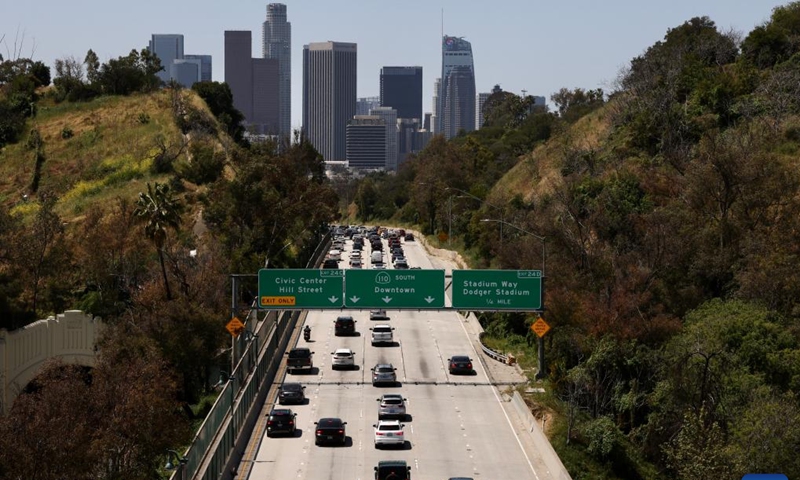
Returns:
(517,44)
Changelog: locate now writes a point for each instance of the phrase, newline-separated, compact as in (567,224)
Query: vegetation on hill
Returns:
(134,201)
(670,211)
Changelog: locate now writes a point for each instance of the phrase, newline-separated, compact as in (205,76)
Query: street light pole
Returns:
(499,209)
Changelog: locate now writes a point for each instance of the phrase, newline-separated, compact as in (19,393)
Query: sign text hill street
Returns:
(394,288)
(497,289)
(296,289)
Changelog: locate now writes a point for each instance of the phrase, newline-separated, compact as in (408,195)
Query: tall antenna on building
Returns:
(442,23)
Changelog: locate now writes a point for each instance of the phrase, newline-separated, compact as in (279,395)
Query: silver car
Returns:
(384,373)
(389,432)
(392,405)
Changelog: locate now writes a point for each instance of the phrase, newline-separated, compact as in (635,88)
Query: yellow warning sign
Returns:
(540,327)
(277,301)
(235,326)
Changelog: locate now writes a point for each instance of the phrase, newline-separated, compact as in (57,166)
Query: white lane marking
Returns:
(500,403)
(416,464)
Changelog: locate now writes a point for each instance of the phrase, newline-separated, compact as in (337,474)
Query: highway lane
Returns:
(456,427)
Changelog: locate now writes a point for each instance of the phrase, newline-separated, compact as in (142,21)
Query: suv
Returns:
(291,393)
(392,405)
(281,420)
(392,470)
(344,325)
(382,334)
(383,373)
(330,263)
(299,359)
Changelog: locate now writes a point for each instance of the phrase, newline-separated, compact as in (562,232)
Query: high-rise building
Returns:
(479,109)
(168,48)
(365,104)
(426,122)
(277,44)
(205,65)
(253,83)
(389,116)
(185,71)
(366,142)
(329,96)
(437,87)
(457,90)
(401,89)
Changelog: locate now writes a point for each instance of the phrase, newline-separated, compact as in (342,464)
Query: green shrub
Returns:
(67,133)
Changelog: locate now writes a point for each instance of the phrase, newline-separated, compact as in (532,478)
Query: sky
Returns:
(532,45)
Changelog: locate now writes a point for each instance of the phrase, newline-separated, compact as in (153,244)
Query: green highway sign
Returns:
(497,289)
(297,289)
(394,288)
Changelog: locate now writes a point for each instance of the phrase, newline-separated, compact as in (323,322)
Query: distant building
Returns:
(329,96)
(401,89)
(185,71)
(457,89)
(437,86)
(426,122)
(482,97)
(253,83)
(168,48)
(277,44)
(389,116)
(205,65)
(366,143)
(365,104)
(410,138)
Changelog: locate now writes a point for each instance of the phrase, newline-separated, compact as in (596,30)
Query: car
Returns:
(382,334)
(281,420)
(392,470)
(330,263)
(358,246)
(335,254)
(389,432)
(291,393)
(379,266)
(391,405)
(330,430)
(343,357)
(355,262)
(299,359)
(460,364)
(409,237)
(344,325)
(400,264)
(384,373)
(378,315)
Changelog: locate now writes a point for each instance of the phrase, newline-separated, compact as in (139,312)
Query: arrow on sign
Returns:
(387,299)
(355,299)
(333,299)
(429,299)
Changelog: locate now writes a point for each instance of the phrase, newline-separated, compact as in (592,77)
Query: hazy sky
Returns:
(538,46)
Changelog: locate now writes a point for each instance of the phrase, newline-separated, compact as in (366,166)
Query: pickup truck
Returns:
(299,359)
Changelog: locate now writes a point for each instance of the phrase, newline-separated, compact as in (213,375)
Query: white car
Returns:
(335,255)
(343,358)
(382,334)
(389,432)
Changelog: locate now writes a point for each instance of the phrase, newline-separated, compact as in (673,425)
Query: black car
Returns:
(291,393)
(409,237)
(330,263)
(460,364)
(281,420)
(344,325)
(330,430)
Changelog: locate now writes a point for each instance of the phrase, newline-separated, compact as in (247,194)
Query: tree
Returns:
(219,99)
(92,66)
(159,211)
(775,41)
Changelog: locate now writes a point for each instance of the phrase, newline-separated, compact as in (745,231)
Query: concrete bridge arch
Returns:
(70,336)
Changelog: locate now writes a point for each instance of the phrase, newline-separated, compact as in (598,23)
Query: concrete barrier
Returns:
(548,454)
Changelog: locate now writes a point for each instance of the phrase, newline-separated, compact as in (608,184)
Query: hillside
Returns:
(96,151)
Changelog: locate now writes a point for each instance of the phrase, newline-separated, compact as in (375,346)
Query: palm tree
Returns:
(160,211)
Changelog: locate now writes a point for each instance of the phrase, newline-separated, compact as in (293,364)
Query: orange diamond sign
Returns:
(235,326)
(540,327)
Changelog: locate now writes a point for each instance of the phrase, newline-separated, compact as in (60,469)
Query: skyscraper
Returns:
(205,65)
(253,83)
(389,116)
(365,104)
(435,115)
(401,89)
(479,109)
(457,90)
(366,142)
(168,48)
(329,96)
(277,44)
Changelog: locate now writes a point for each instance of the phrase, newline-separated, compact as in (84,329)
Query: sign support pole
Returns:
(540,374)
(234,290)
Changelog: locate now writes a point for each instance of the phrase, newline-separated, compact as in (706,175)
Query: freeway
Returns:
(456,425)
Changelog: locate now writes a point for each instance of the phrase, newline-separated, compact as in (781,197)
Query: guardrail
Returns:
(209,455)
(491,353)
